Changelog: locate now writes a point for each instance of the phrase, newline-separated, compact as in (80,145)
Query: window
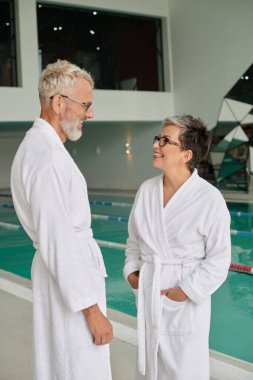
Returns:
(122,52)
(8,72)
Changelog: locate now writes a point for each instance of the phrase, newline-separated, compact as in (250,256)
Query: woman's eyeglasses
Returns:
(165,140)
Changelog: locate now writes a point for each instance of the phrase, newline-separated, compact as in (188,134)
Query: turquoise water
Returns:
(232,304)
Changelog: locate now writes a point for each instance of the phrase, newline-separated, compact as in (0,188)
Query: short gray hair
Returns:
(59,76)
(194,136)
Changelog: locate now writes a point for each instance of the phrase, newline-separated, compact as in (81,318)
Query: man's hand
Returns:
(175,294)
(133,279)
(99,325)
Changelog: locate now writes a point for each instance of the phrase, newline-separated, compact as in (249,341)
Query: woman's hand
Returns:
(133,279)
(175,294)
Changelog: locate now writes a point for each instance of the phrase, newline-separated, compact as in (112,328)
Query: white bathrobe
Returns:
(187,244)
(50,198)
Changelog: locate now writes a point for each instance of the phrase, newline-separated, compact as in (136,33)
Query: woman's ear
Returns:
(187,155)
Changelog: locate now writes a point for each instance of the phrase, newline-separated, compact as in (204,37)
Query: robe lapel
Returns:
(171,210)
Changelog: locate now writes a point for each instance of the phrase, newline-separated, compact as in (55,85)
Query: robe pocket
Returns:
(176,317)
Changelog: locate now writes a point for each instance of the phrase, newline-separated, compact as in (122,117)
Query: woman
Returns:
(178,253)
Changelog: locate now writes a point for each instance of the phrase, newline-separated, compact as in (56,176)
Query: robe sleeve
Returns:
(133,260)
(57,242)
(213,270)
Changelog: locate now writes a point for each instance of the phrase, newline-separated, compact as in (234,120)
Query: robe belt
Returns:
(143,340)
(85,235)
(88,234)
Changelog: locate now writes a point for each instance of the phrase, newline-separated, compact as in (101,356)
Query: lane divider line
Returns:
(93,203)
(113,204)
(241,233)
(111,244)
(18,227)
(11,226)
(111,218)
(239,214)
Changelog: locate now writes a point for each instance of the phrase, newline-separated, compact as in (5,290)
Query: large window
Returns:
(8,73)
(122,52)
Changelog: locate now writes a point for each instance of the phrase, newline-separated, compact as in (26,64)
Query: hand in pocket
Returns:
(175,294)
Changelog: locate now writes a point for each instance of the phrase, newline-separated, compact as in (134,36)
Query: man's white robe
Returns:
(50,198)
(187,244)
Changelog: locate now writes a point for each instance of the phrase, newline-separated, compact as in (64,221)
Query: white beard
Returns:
(70,128)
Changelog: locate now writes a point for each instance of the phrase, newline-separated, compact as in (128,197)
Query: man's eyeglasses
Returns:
(165,140)
(85,105)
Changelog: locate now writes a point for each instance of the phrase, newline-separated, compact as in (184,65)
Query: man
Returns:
(178,253)
(71,331)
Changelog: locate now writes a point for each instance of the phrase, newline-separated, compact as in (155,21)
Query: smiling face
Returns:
(170,157)
(73,113)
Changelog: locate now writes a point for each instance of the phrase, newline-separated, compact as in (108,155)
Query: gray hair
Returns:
(194,136)
(59,76)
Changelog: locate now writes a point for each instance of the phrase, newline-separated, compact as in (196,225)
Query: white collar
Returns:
(39,122)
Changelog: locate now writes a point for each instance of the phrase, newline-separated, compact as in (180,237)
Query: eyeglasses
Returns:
(85,105)
(165,140)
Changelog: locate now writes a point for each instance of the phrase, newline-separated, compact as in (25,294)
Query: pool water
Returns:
(232,304)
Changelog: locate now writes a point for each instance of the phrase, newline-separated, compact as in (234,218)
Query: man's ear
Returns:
(57,103)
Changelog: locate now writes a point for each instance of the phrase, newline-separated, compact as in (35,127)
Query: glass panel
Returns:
(233,138)
(243,89)
(122,52)
(8,72)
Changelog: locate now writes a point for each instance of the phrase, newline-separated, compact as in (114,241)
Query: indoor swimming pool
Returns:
(232,311)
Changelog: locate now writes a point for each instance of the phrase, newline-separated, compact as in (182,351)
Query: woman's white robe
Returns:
(187,244)
(50,198)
